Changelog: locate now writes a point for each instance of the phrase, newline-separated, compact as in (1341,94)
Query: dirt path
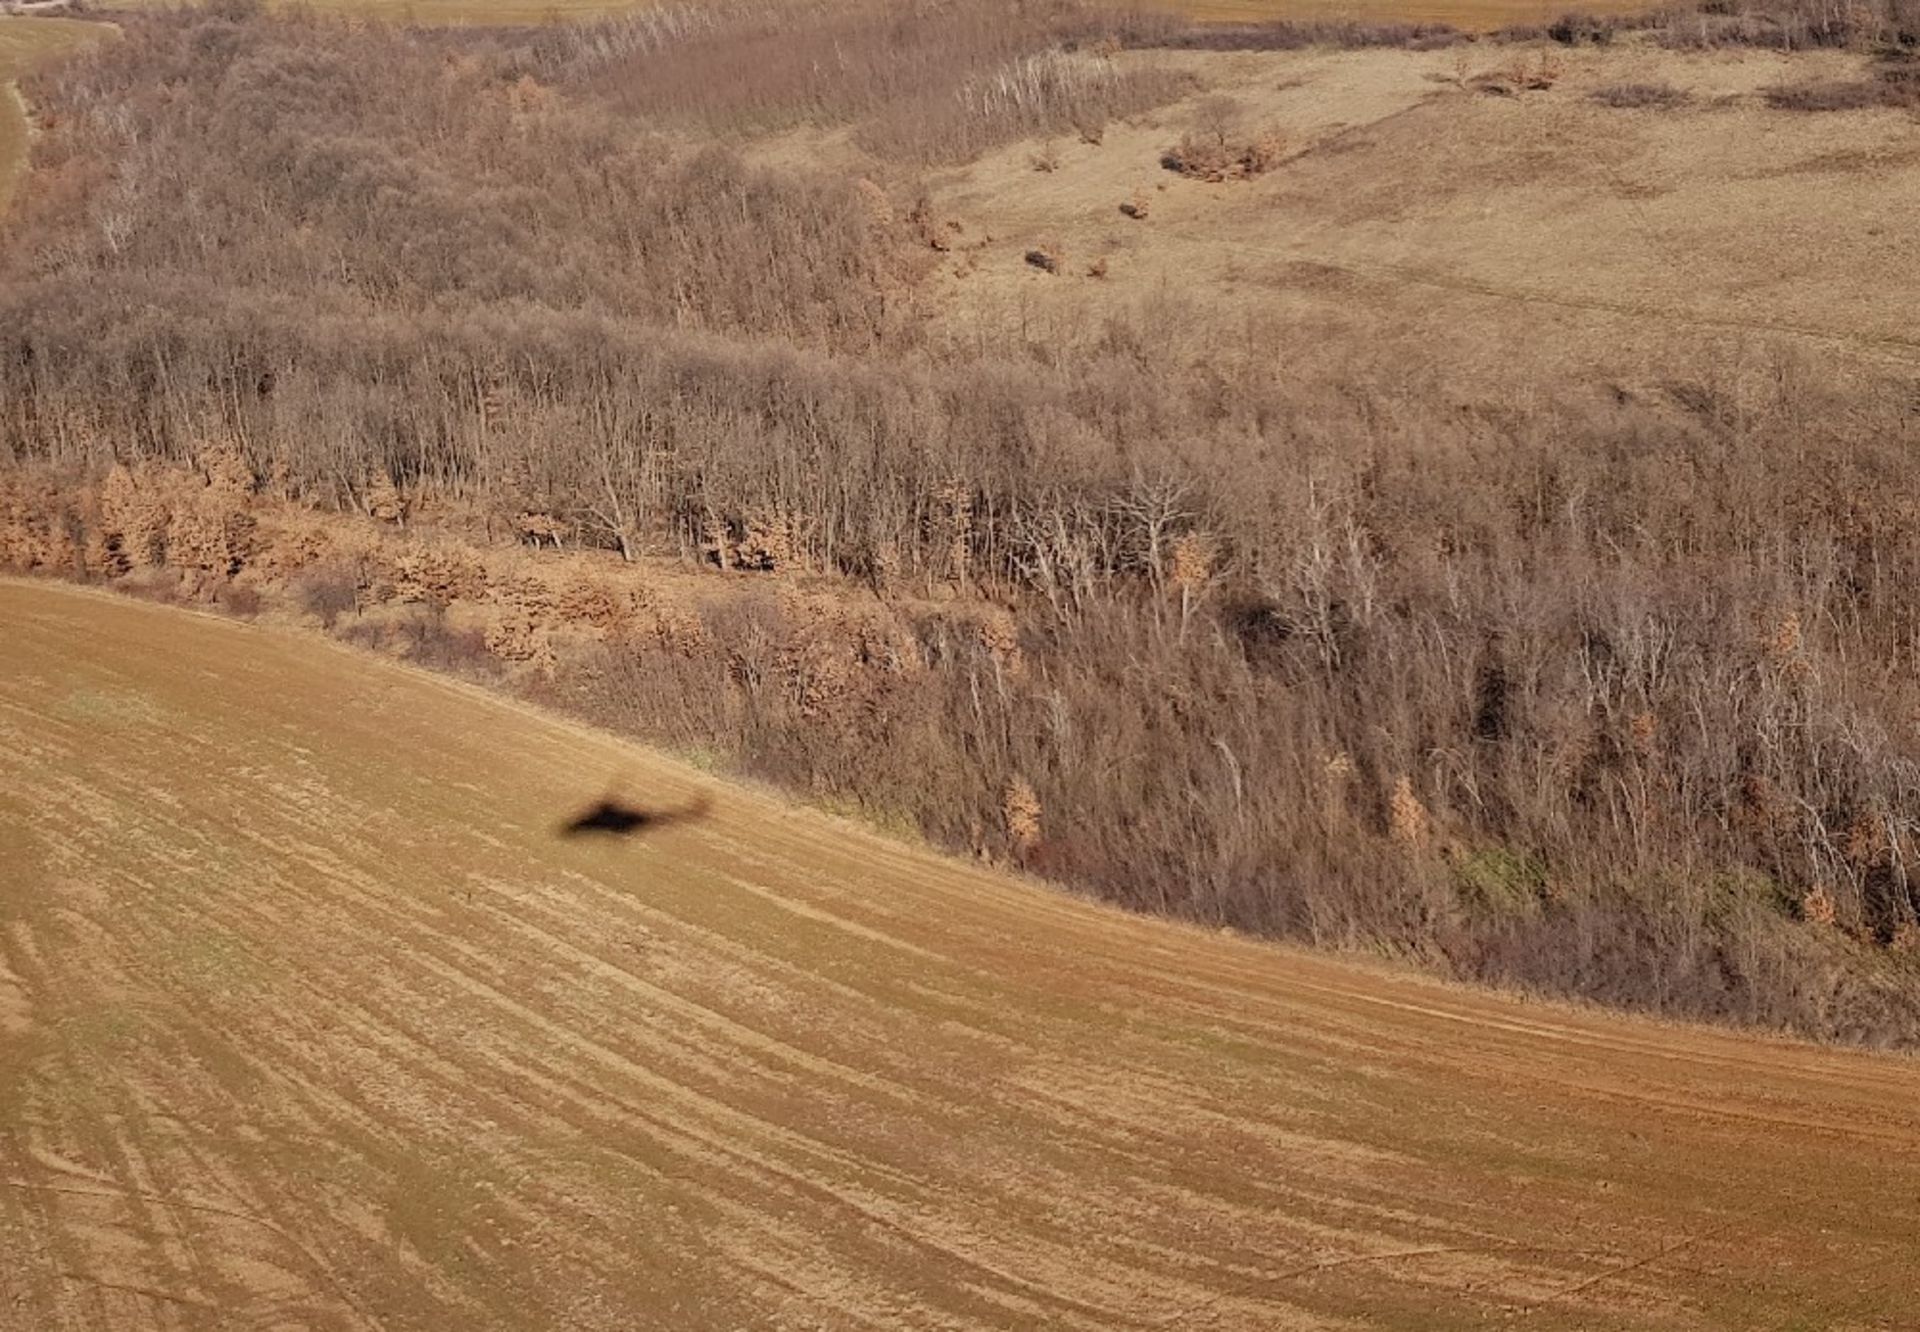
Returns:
(309,1019)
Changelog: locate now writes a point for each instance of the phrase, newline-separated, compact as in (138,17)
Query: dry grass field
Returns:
(25,44)
(309,1019)
(1467,15)
(481,13)
(1501,243)
(478,11)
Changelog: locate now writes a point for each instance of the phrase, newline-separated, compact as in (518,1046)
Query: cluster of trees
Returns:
(1603,696)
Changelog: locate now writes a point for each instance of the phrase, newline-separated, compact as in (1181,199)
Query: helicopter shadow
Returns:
(615,817)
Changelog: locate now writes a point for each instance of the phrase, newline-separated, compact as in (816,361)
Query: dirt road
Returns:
(308,1018)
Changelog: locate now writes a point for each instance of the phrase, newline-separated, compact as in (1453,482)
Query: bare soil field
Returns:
(1425,215)
(308,1017)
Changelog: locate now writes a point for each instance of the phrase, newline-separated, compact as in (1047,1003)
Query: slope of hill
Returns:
(309,1017)
(25,43)
(1473,518)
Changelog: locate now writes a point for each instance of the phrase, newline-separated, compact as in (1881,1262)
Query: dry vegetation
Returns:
(1598,693)
(1894,84)
(1217,150)
(1467,15)
(26,43)
(307,1019)
(1641,96)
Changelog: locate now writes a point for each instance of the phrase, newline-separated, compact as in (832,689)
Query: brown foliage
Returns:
(1791,25)
(940,86)
(1217,157)
(1650,96)
(1147,28)
(1020,814)
(1895,86)
(1242,624)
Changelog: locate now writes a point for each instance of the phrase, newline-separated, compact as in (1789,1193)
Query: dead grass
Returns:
(1217,157)
(27,44)
(1893,85)
(464,13)
(1466,15)
(1641,96)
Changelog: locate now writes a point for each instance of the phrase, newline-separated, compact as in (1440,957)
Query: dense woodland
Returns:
(1593,695)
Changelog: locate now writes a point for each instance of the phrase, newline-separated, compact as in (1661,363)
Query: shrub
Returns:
(1500,881)
(1216,157)
(326,592)
(1628,96)
(1828,95)
(1594,29)
(1792,24)
(1518,76)
(1287,35)
(239,599)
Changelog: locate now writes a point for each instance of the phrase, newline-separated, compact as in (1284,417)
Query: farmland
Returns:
(308,1017)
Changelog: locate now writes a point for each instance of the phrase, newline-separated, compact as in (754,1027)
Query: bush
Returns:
(239,599)
(1830,95)
(1629,96)
(1792,25)
(326,592)
(1585,29)
(1288,35)
(1216,157)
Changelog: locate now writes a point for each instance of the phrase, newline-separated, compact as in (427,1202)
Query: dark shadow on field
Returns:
(613,817)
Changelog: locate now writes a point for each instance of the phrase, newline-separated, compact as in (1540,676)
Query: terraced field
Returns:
(310,1018)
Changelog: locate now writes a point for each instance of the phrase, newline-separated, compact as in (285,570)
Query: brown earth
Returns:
(308,1018)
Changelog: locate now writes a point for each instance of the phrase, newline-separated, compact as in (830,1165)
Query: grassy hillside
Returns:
(27,44)
(1467,15)
(308,1016)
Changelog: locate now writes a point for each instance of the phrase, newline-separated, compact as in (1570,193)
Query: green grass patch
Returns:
(1500,881)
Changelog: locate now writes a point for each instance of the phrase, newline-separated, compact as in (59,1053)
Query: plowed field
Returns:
(310,1018)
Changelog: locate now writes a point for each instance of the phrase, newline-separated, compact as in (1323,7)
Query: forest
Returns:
(1586,692)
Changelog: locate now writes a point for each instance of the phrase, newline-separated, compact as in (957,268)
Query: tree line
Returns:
(1598,696)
